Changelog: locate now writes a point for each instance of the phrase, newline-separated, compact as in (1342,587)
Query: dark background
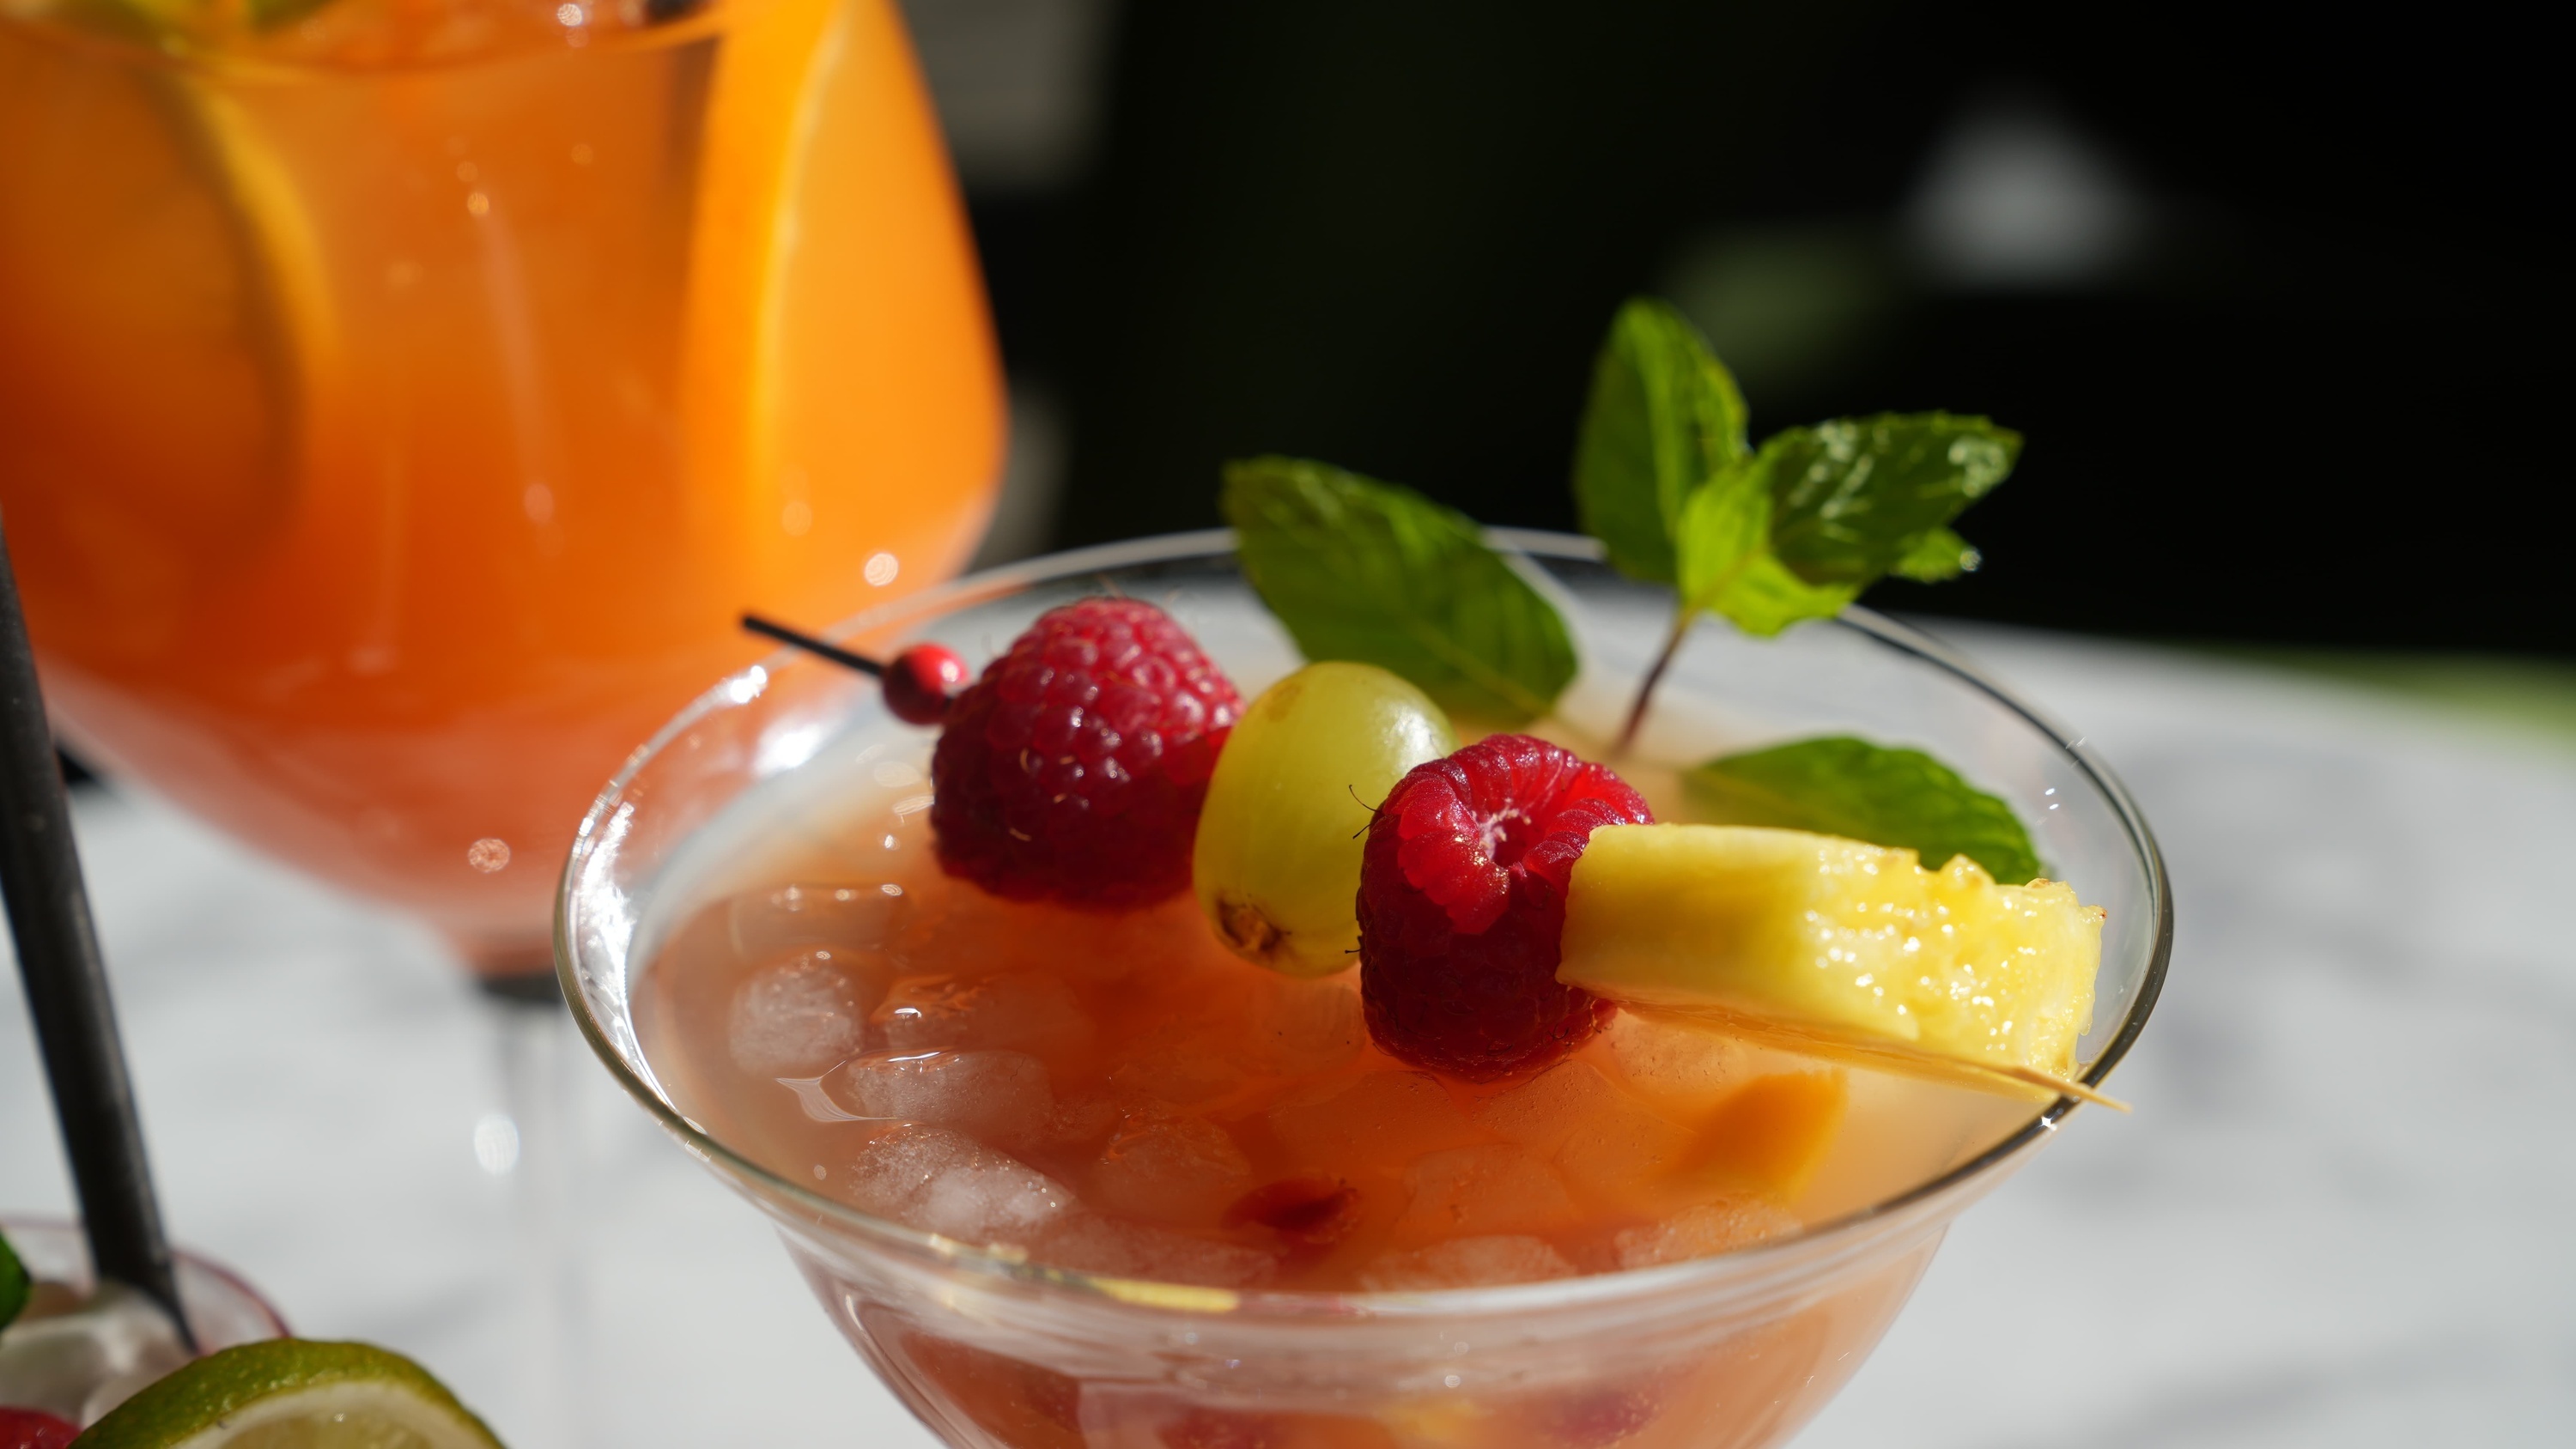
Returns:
(2279,300)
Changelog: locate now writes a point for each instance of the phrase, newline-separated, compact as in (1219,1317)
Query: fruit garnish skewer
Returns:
(919,683)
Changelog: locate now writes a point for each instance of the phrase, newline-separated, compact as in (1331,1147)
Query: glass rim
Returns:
(15,1226)
(1847,1233)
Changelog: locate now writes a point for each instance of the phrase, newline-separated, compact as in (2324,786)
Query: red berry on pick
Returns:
(34,1429)
(921,681)
(1462,905)
(1075,768)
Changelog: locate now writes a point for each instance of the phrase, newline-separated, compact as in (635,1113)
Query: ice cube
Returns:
(1665,1060)
(1498,1188)
(1735,1221)
(860,917)
(1543,1112)
(1169,1169)
(1186,1064)
(1467,1263)
(1301,1028)
(1597,1135)
(110,1345)
(798,1017)
(1089,1243)
(948,1183)
(1378,1119)
(1000,1097)
(1082,1122)
(1017,1010)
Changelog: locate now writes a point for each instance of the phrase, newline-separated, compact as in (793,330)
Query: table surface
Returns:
(2341,1215)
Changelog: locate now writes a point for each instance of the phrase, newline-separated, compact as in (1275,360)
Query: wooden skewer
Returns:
(1844,1044)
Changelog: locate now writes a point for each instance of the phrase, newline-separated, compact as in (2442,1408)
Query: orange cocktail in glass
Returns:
(400,401)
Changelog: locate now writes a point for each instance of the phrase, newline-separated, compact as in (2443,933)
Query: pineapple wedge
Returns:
(1837,947)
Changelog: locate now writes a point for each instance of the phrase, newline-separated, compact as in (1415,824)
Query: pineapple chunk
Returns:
(1836,945)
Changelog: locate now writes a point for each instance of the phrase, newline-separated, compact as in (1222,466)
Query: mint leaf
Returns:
(14,1286)
(1727,565)
(1849,787)
(1854,498)
(1358,569)
(1936,556)
(1819,514)
(1663,418)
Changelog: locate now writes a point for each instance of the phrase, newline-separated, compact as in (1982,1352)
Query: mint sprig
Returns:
(1369,571)
(1665,418)
(1849,787)
(1796,529)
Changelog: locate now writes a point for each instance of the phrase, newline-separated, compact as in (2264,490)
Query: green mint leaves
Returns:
(1795,530)
(1362,570)
(14,1286)
(1852,788)
(1665,418)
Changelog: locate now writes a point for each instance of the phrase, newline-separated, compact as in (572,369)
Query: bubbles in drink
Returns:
(997,1097)
(948,1183)
(802,1015)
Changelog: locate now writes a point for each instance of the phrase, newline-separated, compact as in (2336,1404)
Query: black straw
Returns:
(812,645)
(67,984)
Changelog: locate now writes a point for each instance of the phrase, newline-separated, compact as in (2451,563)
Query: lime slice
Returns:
(294,1393)
(1838,948)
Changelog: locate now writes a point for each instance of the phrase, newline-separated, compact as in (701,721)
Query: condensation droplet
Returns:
(539,501)
(881,569)
(476,203)
(569,15)
(796,517)
(581,153)
(488,855)
(466,171)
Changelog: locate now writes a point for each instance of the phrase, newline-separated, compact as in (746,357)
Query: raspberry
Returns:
(1462,904)
(1074,768)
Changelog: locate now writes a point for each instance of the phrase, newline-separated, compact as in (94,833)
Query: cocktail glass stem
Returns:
(535,1144)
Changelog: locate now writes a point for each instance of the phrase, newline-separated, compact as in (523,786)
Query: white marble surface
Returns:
(2344,1214)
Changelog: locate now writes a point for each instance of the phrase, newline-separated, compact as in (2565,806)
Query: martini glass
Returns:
(401,400)
(993,1350)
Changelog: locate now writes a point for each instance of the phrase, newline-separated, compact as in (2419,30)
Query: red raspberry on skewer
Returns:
(1073,770)
(1462,904)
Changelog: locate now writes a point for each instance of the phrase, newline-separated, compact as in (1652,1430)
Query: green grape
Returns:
(1278,857)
